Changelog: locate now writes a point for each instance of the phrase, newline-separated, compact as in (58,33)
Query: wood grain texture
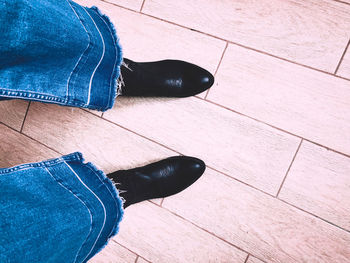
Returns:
(15,149)
(319,182)
(141,260)
(302,101)
(107,145)
(114,253)
(312,32)
(252,259)
(12,113)
(344,68)
(132,4)
(160,236)
(245,149)
(157,201)
(262,225)
(147,39)
(95,112)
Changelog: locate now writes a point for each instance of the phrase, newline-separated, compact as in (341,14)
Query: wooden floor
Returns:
(274,131)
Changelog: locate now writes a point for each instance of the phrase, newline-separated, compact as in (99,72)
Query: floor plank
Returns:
(344,68)
(141,260)
(97,113)
(15,149)
(259,224)
(312,32)
(12,113)
(319,182)
(245,149)
(146,229)
(114,253)
(105,144)
(132,4)
(147,39)
(254,260)
(302,101)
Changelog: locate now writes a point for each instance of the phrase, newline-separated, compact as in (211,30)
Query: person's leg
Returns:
(156,180)
(58,52)
(64,53)
(166,78)
(65,210)
(59,210)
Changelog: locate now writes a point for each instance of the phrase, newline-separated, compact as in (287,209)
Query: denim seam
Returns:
(26,95)
(90,212)
(115,200)
(49,99)
(70,75)
(67,100)
(115,60)
(104,209)
(11,92)
(70,157)
(116,76)
(29,94)
(99,63)
(75,102)
(8,171)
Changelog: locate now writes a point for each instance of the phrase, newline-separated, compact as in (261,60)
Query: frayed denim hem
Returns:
(117,82)
(115,193)
(78,67)
(62,200)
(111,188)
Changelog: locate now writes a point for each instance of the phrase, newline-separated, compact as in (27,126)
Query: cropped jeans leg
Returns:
(59,210)
(57,51)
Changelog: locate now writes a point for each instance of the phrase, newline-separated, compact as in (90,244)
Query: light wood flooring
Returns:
(274,131)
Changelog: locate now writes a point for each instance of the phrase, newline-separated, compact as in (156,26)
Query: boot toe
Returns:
(198,80)
(194,167)
(186,171)
(187,79)
(206,81)
(161,179)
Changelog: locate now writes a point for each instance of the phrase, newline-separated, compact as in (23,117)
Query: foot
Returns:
(166,78)
(156,180)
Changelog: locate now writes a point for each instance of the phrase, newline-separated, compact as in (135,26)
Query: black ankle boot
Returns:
(156,180)
(166,78)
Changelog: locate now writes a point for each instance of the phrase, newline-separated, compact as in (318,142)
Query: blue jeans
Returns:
(60,210)
(58,51)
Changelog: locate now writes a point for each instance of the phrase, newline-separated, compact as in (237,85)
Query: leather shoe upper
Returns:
(165,78)
(160,179)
